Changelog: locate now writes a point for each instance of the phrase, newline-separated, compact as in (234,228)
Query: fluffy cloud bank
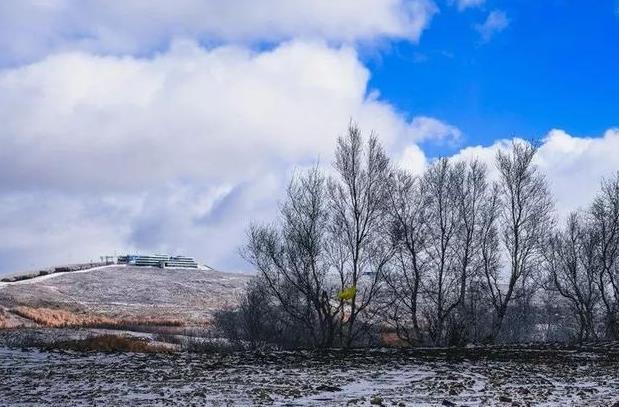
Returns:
(574,166)
(81,122)
(30,29)
(176,152)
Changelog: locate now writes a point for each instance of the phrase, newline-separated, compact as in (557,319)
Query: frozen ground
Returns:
(335,378)
(130,292)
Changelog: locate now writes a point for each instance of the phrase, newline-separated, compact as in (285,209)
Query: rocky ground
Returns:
(517,377)
(127,292)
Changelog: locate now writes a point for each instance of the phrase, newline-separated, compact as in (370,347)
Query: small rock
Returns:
(328,387)
(376,401)
(505,399)
(448,403)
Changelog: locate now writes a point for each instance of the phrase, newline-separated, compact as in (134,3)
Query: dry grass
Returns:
(4,319)
(111,343)
(391,340)
(59,318)
(151,321)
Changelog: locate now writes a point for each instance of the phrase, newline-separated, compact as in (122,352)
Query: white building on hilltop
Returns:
(158,260)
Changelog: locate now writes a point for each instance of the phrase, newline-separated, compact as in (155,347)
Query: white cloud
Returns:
(176,152)
(464,4)
(85,122)
(30,29)
(496,22)
(424,128)
(412,159)
(574,166)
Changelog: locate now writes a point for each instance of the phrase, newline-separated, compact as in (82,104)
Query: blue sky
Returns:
(160,126)
(555,65)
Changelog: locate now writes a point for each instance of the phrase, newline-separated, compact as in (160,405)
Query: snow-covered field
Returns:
(333,378)
(130,292)
(474,377)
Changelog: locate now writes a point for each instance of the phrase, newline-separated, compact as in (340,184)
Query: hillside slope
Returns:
(123,292)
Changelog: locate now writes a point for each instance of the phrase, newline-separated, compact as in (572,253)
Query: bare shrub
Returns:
(260,322)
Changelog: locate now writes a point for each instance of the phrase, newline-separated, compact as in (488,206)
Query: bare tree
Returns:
(604,215)
(445,258)
(473,197)
(526,215)
(487,276)
(358,202)
(574,272)
(455,195)
(442,283)
(408,229)
(293,259)
(255,322)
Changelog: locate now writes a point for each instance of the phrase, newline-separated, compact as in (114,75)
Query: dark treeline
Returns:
(375,255)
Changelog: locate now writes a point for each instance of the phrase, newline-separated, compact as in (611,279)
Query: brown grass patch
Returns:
(110,343)
(391,340)
(4,319)
(151,321)
(59,318)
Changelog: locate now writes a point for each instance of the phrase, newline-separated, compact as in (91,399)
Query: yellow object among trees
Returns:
(348,293)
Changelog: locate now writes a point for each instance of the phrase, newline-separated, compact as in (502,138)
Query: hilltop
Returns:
(121,293)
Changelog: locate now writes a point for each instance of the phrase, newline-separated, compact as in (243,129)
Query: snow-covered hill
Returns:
(124,292)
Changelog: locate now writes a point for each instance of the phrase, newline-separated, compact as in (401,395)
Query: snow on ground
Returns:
(38,279)
(299,378)
(130,292)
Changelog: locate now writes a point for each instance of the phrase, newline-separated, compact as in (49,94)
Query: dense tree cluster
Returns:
(374,253)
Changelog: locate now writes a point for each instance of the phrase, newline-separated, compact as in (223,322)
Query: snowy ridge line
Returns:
(52,275)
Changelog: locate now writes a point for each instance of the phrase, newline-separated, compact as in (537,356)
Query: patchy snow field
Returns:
(36,378)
